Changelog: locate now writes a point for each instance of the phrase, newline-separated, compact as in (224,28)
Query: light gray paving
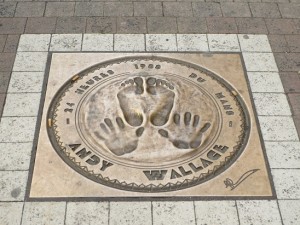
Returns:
(26,82)
(11,213)
(283,154)
(278,128)
(290,211)
(30,61)
(271,104)
(129,42)
(23,104)
(265,82)
(173,213)
(224,42)
(17,129)
(13,185)
(161,42)
(287,183)
(15,156)
(196,42)
(216,212)
(66,42)
(87,213)
(34,42)
(97,42)
(260,62)
(258,212)
(130,213)
(47,213)
(254,43)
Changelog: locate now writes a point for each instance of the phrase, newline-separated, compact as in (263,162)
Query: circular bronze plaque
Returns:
(148,124)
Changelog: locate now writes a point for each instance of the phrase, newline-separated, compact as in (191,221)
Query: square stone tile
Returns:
(12,42)
(11,213)
(260,62)
(290,211)
(271,104)
(67,25)
(97,42)
(118,9)
(17,129)
(258,212)
(283,154)
(23,104)
(84,213)
(294,99)
(278,128)
(147,9)
(197,42)
(254,43)
(287,183)
(34,43)
(41,25)
(290,10)
(50,213)
(265,82)
(290,81)
(131,25)
(177,9)
(6,61)
(13,185)
(175,213)
(55,9)
(26,82)
(161,25)
(293,41)
(12,25)
(4,81)
(216,212)
(266,10)
(7,9)
(2,42)
(129,42)
(101,25)
(16,156)
(207,9)
(234,9)
(89,9)
(130,213)
(221,25)
(30,61)
(66,42)
(281,26)
(288,61)
(225,42)
(30,9)
(161,42)
(191,25)
(278,43)
(251,26)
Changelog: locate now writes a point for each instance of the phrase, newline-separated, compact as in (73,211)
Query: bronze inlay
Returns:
(152,123)
(139,115)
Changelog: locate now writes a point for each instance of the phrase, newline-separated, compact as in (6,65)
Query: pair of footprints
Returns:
(156,99)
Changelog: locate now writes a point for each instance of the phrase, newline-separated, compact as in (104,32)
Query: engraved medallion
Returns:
(148,124)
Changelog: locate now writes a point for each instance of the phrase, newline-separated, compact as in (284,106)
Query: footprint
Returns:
(150,97)
(185,131)
(163,99)
(129,99)
(119,138)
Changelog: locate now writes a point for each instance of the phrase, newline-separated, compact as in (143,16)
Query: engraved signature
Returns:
(229,183)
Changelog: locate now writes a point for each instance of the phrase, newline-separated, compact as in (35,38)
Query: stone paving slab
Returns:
(279,132)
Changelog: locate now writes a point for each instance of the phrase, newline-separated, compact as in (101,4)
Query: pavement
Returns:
(277,20)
